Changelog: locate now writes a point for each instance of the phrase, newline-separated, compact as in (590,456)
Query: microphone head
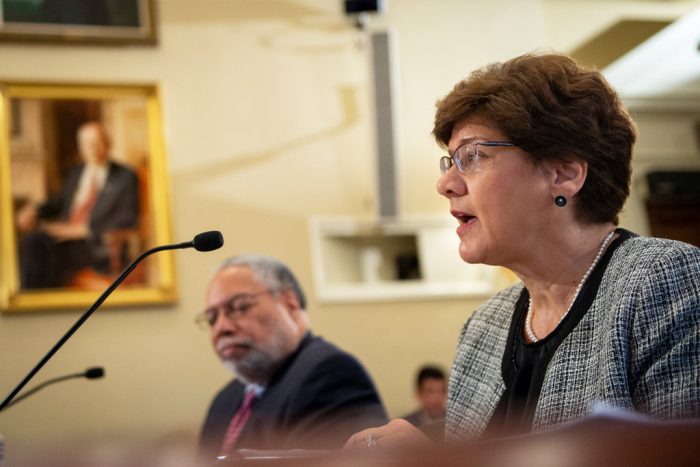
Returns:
(95,372)
(208,241)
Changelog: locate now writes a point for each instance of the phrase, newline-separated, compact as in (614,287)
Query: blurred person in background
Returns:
(431,394)
(291,389)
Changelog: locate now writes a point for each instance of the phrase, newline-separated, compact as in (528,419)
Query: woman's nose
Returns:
(451,183)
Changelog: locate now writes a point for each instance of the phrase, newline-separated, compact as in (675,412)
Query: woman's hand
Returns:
(396,432)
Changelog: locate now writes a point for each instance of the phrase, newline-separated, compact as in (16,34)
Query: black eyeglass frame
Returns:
(229,307)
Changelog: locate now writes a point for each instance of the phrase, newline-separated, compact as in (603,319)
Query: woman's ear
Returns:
(566,178)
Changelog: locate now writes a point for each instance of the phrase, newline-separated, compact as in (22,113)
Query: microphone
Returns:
(91,373)
(96,372)
(205,241)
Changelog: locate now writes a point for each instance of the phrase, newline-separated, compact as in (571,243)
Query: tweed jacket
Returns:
(637,347)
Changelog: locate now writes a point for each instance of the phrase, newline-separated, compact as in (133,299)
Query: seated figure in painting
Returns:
(79,226)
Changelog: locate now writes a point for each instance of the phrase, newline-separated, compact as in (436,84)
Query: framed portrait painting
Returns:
(79,21)
(83,191)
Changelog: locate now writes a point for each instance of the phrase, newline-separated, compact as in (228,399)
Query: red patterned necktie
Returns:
(81,213)
(238,422)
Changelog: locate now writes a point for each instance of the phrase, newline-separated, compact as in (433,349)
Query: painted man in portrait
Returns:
(82,225)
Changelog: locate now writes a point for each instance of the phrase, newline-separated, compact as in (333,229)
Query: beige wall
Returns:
(267,120)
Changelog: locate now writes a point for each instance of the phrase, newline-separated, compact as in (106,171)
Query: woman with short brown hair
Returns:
(537,172)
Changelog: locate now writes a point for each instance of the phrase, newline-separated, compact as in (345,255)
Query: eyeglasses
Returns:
(233,308)
(467,157)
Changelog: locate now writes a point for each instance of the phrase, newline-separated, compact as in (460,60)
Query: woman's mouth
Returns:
(465,220)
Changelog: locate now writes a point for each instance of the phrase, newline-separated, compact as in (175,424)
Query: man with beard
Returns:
(292,389)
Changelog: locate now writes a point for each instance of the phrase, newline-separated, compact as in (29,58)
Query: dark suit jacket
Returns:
(319,398)
(46,263)
(117,206)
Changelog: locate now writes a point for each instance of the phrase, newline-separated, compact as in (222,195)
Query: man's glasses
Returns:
(467,157)
(233,308)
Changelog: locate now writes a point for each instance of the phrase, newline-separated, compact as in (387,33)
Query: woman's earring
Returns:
(560,201)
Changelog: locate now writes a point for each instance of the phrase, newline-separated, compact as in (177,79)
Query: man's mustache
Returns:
(226,341)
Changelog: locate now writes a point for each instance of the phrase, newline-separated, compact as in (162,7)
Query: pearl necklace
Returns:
(528,318)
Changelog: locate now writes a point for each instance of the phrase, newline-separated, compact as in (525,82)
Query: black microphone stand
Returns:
(86,315)
(91,373)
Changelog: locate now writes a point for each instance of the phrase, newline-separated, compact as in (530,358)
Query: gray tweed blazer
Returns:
(637,347)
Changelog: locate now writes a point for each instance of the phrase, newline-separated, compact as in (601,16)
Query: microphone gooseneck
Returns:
(90,373)
(206,241)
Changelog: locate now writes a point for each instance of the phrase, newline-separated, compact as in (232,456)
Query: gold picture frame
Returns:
(79,21)
(46,130)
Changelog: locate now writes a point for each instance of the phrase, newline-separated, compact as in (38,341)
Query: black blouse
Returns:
(524,364)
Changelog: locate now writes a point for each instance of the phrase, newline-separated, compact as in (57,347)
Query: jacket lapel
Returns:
(476,382)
